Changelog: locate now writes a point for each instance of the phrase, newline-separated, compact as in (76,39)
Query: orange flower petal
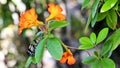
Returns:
(64,57)
(54,8)
(68,56)
(20,31)
(71,60)
(63,60)
(55,12)
(60,17)
(28,19)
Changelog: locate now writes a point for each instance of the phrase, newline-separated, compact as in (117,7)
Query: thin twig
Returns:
(88,53)
(118,13)
(73,48)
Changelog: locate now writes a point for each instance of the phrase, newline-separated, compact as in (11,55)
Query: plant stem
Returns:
(72,47)
(62,43)
(118,13)
(88,52)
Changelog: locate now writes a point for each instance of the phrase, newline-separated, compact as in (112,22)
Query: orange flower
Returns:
(68,56)
(55,12)
(28,19)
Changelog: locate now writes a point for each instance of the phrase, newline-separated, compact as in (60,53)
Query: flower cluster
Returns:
(68,56)
(29,19)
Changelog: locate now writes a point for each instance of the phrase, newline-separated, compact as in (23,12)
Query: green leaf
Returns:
(116,39)
(94,20)
(96,64)
(102,35)
(89,60)
(88,22)
(58,24)
(112,43)
(107,63)
(85,41)
(40,50)
(94,8)
(93,38)
(96,53)
(85,3)
(29,60)
(111,19)
(116,6)
(55,48)
(108,5)
(34,60)
(85,47)
(101,16)
(51,36)
(106,48)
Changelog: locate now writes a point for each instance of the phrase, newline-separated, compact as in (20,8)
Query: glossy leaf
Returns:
(85,47)
(116,6)
(96,64)
(55,48)
(88,22)
(112,43)
(94,8)
(51,36)
(93,38)
(101,16)
(29,60)
(34,60)
(108,5)
(102,35)
(85,41)
(116,39)
(94,20)
(85,3)
(111,19)
(106,48)
(40,50)
(96,53)
(107,63)
(58,24)
(89,60)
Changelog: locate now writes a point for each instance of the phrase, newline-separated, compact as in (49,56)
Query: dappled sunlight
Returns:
(3,1)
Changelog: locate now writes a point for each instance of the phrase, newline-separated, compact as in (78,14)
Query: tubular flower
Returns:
(55,12)
(28,19)
(68,56)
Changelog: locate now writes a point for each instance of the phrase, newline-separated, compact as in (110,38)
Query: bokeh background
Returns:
(13,47)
